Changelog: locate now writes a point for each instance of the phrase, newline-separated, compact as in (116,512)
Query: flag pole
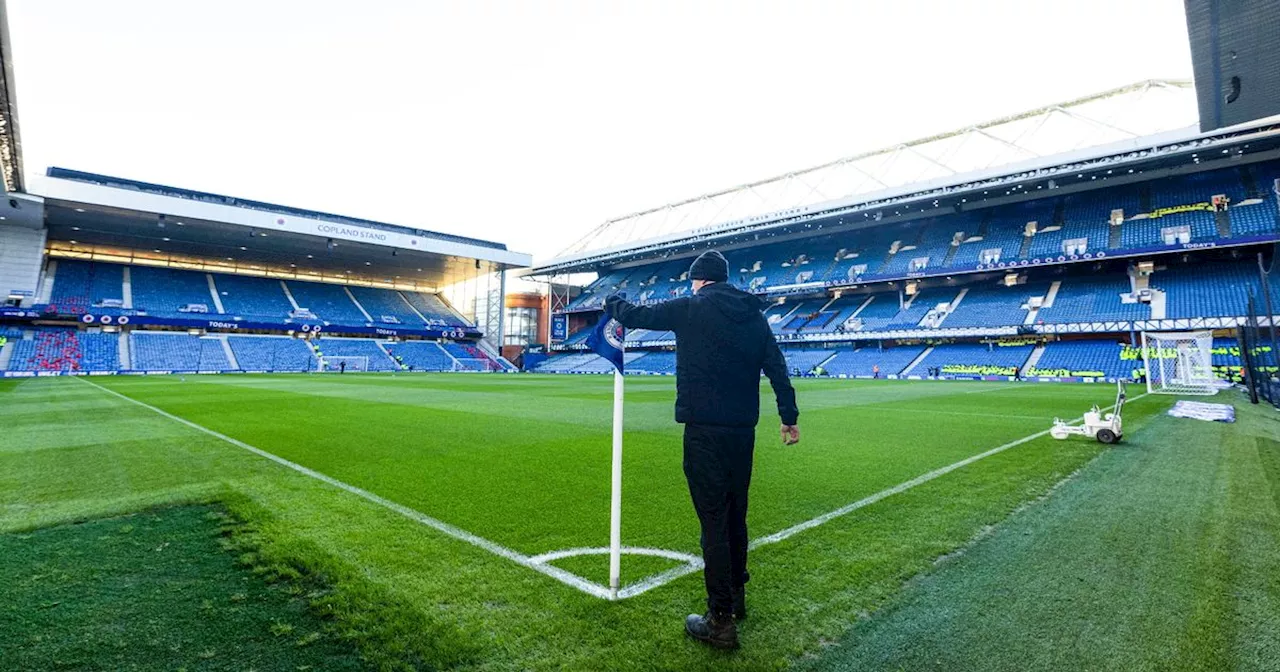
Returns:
(615,504)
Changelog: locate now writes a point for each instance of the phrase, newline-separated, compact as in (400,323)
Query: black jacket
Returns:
(722,343)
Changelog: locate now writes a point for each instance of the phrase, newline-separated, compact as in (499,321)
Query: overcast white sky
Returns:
(532,122)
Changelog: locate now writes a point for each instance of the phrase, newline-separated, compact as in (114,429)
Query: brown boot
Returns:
(715,630)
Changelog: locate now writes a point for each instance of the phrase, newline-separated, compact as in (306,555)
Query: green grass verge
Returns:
(1162,555)
(524,461)
(153,591)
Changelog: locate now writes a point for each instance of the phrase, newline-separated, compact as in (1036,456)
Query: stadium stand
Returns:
(879,313)
(385,306)
(1093,299)
(329,302)
(421,355)
(470,358)
(566,363)
(994,306)
(165,291)
(804,360)
(176,351)
(862,362)
(272,353)
(434,309)
(1206,289)
(251,296)
(378,359)
(65,350)
(975,359)
(601,365)
(80,285)
(658,361)
(1092,359)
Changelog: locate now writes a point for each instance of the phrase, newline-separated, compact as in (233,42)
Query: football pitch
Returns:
(477,507)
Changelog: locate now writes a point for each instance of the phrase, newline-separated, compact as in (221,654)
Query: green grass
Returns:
(151,591)
(524,461)
(1163,555)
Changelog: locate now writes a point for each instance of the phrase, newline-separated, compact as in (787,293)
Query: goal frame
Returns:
(1188,372)
(330,363)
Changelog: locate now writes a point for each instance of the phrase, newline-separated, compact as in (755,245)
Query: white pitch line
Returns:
(556,573)
(677,572)
(538,563)
(678,556)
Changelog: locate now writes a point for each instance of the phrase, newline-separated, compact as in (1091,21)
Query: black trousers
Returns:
(717,465)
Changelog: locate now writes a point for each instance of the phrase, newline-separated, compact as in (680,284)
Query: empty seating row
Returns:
(975,359)
(1072,224)
(871,360)
(78,286)
(376,358)
(177,351)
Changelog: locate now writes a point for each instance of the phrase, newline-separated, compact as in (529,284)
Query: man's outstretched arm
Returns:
(666,316)
(775,368)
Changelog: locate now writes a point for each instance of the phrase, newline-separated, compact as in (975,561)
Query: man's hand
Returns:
(790,435)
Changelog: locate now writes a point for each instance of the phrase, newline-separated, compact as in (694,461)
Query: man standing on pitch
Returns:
(723,342)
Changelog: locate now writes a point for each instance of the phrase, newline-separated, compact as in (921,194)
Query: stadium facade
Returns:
(1036,245)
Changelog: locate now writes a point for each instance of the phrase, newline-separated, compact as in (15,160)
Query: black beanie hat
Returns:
(710,265)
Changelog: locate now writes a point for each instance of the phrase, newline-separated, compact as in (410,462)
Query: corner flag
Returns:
(607,341)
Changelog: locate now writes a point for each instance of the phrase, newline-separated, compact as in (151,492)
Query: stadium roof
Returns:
(1105,119)
(100,217)
(10,141)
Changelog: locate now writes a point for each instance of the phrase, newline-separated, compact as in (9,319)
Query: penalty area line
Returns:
(567,578)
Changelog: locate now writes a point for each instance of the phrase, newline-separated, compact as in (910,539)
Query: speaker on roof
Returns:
(1235,59)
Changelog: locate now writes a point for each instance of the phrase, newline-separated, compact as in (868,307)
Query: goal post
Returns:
(335,362)
(1179,362)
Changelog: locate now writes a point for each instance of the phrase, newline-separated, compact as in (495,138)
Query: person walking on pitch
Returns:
(723,342)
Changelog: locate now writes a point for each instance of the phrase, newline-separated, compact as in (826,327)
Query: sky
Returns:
(532,122)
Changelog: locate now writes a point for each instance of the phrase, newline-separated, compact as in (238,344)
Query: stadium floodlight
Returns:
(335,362)
(1179,362)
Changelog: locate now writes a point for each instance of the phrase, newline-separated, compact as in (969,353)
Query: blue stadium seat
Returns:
(975,359)
(386,303)
(993,306)
(434,309)
(253,297)
(81,285)
(565,363)
(162,291)
(862,362)
(470,357)
(660,361)
(421,355)
(176,351)
(329,302)
(803,360)
(1093,299)
(272,353)
(1084,359)
(378,360)
(1206,289)
(61,349)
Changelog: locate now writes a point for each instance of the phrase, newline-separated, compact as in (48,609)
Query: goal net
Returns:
(1179,362)
(335,363)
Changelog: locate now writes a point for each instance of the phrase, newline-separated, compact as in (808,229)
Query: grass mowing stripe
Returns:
(556,573)
(573,580)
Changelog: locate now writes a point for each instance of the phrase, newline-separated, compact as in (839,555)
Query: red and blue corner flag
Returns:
(607,339)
